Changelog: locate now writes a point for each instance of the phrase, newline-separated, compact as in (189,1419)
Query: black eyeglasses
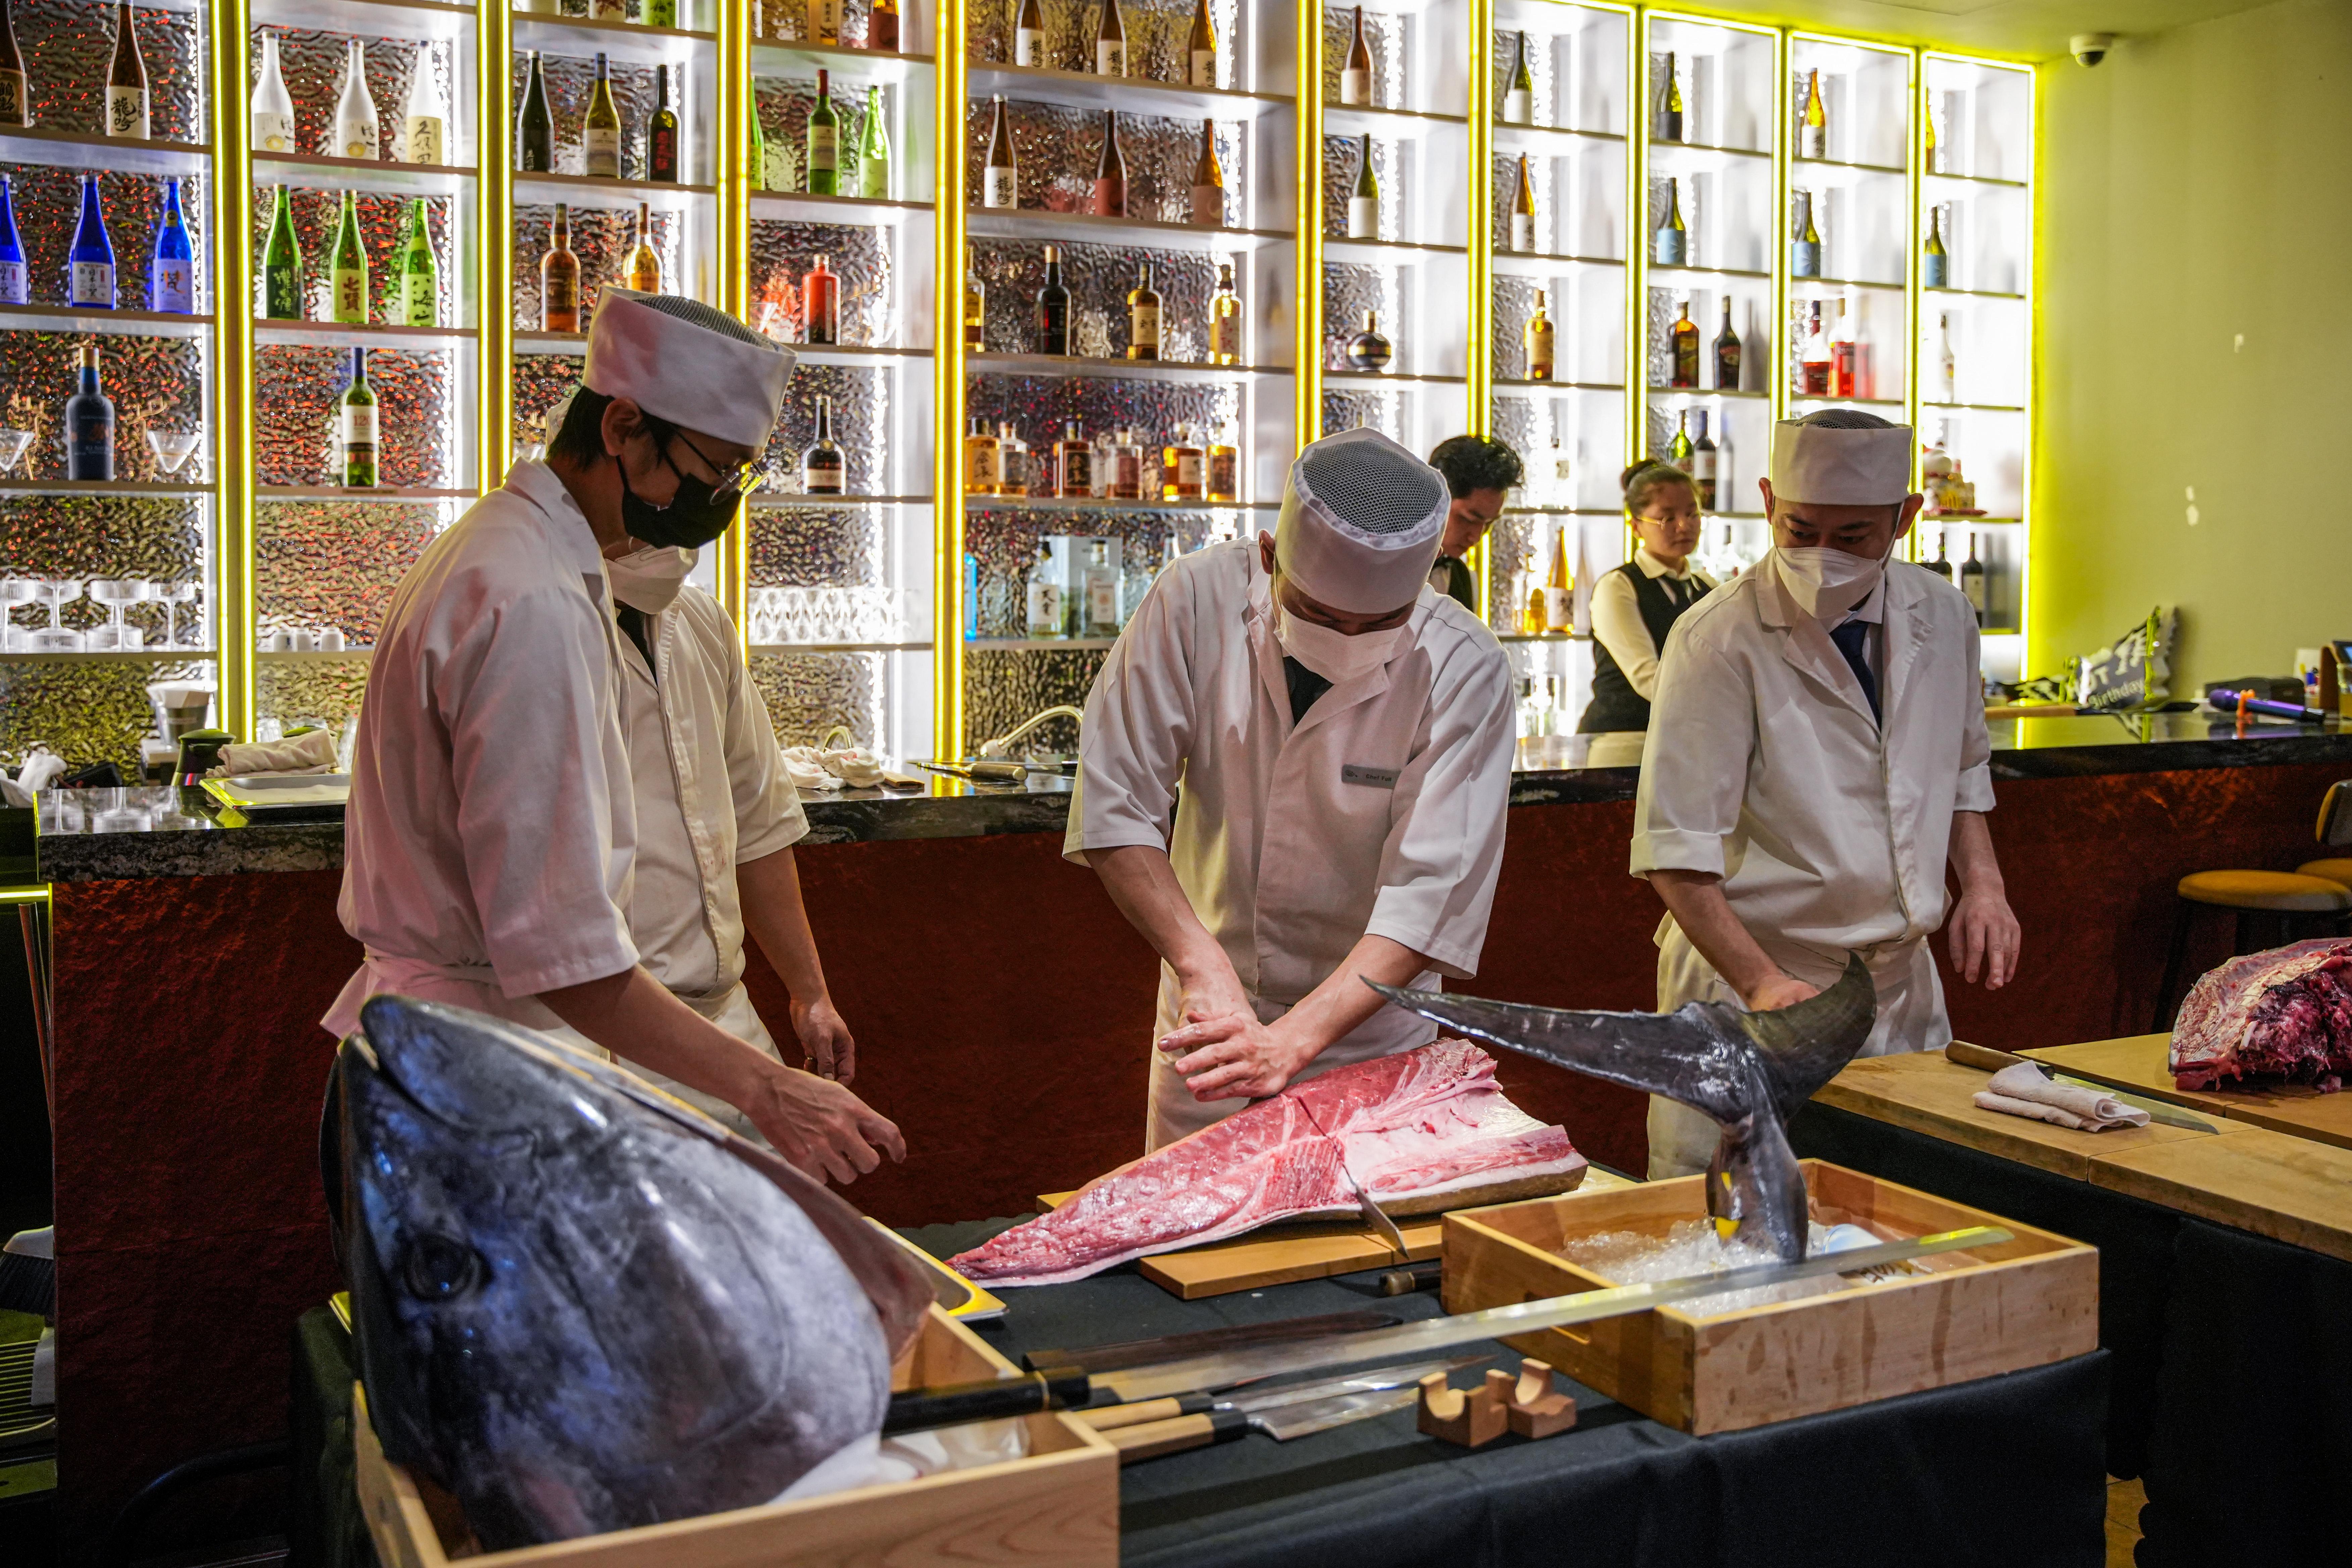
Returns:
(727,483)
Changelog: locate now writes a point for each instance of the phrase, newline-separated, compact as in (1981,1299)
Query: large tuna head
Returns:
(1748,1071)
(580,1306)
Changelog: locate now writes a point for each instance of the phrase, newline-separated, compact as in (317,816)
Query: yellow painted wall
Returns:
(2196,336)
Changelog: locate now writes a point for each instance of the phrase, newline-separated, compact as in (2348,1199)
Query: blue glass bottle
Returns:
(171,269)
(14,281)
(89,265)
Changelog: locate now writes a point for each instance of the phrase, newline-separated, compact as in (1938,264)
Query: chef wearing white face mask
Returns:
(1343,736)
(1816,756)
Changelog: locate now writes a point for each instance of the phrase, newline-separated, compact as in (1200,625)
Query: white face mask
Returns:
(1335,656)
(1827,583)
(649,580)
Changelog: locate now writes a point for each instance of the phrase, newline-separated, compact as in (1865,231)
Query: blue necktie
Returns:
(1849,638)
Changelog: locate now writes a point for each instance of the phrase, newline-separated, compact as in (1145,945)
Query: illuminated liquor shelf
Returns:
(630,41)
(359,334)
(1129,94)
(318,172)
(1040,224)
(1142,369)
(93,319)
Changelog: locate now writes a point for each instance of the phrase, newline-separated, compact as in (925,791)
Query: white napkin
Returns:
(804,765)
(2022,1090)
(810,768)
(43,767)
(311,754)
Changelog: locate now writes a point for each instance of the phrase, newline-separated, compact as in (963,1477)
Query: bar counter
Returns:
(1001,1005)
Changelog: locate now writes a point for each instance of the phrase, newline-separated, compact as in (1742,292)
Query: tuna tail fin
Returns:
(1803,1047)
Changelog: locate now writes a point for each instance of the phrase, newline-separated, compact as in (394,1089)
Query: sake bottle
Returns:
(424,128)
(1110,171)
(1355,75)
(281,265)
(1000,177)
(874,151)
(1523,210)
(15,87)
(1805,250)
(420,272)
(171,264)
(1207,208)
(1814,133)
(348,268)
(1670,242)
(355,120)
(1936,265)
(1670,112)
(273,106)
(1364,201)
(89,262)
(1201,49)
(1110,41)
(1519,96)
(126,81)
(1029,35)
(16,275)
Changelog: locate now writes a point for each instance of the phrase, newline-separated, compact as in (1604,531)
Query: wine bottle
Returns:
(1935,266)
(824,472)
(661,133)
(535,125)
(1523,210)
(1844,358)
(1143,318)
(1110,41)
(1933,163)
(1942,565)
(1704,453)
(975,301)
(824,22)
(425,123)
(1110,171)
(1946,386)
(1225,319)
(1726,354)
(89,425)
(171,264)
(1538,337)
(15,274)
(1670,115)
(600,130)
(15,87)
(645,262)
(823,141)
(355,120)
(348,267)
(1074,462)
(89,263)
(1813,354)
(1208,181)
(1356,74)
(282,264)
(1029,35)
(1972,581)
(1369,349)
(882,26)
(1805,250)
(874,151)
(126,82)
(1364,201)
(559,279)
(355,426)
(1054,308)
(980,473)
(1201,50)
(420,271)
(1670,243)
(1519,96)
(821,303)
(273,106)
(1001,180)
(1813,136)
(1685,373)
(1678,450)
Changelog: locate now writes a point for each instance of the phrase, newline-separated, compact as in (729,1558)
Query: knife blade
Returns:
(1170,1347)
(1986,1059)
(1385,1226)
(1110,1417)
(1299,1418)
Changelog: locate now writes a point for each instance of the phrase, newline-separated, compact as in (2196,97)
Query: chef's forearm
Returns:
(634,1015)
(1971,855)
(1142,883)
(1343,1001)
(1696,901)
(777,918)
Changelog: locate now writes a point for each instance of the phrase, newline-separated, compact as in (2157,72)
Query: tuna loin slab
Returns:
(2285,1014)
(1422,1129)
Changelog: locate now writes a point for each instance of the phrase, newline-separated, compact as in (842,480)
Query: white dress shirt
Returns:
(1617,623)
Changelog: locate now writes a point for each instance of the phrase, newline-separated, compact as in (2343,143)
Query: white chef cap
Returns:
(1360,524)
(681,361)
(1840,456)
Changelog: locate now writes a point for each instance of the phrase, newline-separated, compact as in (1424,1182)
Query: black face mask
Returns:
(693,518)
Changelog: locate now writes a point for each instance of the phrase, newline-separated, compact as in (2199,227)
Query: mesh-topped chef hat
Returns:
(1840,456)
(679,360)
(1360,524)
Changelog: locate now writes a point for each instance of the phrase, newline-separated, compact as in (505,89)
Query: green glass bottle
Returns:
(759,158)
(874,151)
(823,141)
(420,272)
(281,265)
(348,298)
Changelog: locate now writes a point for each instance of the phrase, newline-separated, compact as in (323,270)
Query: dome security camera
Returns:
(2090,48)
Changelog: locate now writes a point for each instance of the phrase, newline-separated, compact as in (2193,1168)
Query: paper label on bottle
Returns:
(1204,68)
(1355,87)
(1937,272)
(1209,207)
(272,133)
(1560,609)
(1143,326)
(357,138)
(1804,259)
(1225,338)
(1224,473)
(1192,471)
(359,425)
(420,304)
(1363,218)
(997,188)
(1102,601)
(1519,106)
(1044,610)
(126,111)
(90,283)
(1972,584)
(12,98)
(821,482)
(423,139)
(14,284)
(1523,231)
(987,465)
(824,148)
(171,287)
(824,20)
(349,294)
(1110,58)
(1669,249)
(1028,47)
(599,152)
(1813,142)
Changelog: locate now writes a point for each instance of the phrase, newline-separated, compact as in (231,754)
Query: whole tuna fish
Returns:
(581,1306)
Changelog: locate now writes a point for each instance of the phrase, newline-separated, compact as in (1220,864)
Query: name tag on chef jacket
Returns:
(1373,778)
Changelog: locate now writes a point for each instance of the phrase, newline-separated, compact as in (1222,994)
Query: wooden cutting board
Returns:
(1280,1255)
(2136,1065)
(2288,1188)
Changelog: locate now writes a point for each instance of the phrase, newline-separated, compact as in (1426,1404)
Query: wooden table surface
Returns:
(2136,1064)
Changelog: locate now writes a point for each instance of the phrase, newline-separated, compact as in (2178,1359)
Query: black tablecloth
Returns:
(2232,1369)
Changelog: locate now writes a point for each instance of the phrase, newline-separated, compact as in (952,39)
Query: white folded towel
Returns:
(810,768)
(311,754)
(2022,1090)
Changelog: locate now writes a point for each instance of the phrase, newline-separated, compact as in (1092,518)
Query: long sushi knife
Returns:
(1295,1418)
(937,1406)
(1109,1417)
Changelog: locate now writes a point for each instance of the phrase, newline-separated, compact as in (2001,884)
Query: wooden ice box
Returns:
(1956,1316)
(1058,1507)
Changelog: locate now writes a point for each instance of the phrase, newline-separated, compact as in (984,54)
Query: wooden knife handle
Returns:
(1111,1417)
(1981,1057)
(1150,1439)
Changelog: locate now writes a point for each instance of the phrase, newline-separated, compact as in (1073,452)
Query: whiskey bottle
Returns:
(874,151)
(355,428)
(821,303)
(1001,179)
(348,268)
(1519,95)
(822,471)
(823,140)
(1183,467)
(981,451)
(89,425)
(1029,35)
(1356,74)
(1703,457)
(1670,242)
(661,133)
(272,105)
(356,132)
(644,274)
(975,301)
(424,121)
(281,265)
(1538,336)
(1110,41)
(1364,201)
(1054,308)
(1726,354)
(420,272)
(1225,319)
(1126,466)
(1143,318)
(1011,460)
(535,122)
(559,279)
(171,264)
(1523,211)
(1224,465)
(1074,462)
(1805,250)
(1686,349)
(1208,179)
(1201,51)
(1368,350)
(15,87)
(1670,113)
(1935,265)
(1814,356)
(1110,171)
(126,81)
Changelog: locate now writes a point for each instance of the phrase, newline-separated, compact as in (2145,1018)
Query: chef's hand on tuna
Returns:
(1232,1056)
(820,1127)
(1777,991)
(827,1048)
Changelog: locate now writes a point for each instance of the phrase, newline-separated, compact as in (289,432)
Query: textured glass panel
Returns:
(160,538)
(569,78)
(383,223)
(1039,406)
(1384,37)
(85,711)
(1159,34)
(1659,340)
(312,63)
(601,238)
(1350,410)
(808,693)
(294,386)
(1514,302)
(47,203)
(334,563)
(1004,542)
(781,257)
(1505,186)
(1511,545)
(861,424)
(539,383)
(1097,277)
(315,690)
(68,48)
(785,104)
(153,383)
(1343,160)
(1002,687)
(1058,149)
(817,546)
(1348,292)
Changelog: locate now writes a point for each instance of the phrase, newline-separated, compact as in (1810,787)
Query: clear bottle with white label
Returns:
(424,128)
(1029,35)
(1001,176)
(1110,41)
(1102,605)
(273,106)
(355,118)
(1044,617)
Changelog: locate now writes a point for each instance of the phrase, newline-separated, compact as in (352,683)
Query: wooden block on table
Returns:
(2291,1189)
(2137,1065)
(1471,1417)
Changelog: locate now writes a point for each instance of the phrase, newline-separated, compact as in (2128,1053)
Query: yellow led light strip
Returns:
(946,384)
(1480,321)
(37,893)
(732,172)
(1637,240)
(230,395)
(1307,350)
(494,262)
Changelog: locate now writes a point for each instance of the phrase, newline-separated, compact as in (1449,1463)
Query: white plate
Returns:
(251,792)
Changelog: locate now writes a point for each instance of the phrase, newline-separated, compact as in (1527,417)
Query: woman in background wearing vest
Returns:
(1633,606)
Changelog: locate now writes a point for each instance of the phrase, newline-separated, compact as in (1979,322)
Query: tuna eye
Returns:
(440,1269)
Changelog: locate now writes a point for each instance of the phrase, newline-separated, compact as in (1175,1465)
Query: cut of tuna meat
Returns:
(2285,1014)
(1423,1130)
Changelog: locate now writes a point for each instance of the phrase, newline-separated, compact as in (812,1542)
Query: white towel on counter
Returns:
(311,754)
(2022,1090)
(812,769)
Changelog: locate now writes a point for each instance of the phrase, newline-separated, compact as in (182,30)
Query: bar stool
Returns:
(2271,904)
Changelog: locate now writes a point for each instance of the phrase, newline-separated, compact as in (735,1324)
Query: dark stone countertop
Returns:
(118,834)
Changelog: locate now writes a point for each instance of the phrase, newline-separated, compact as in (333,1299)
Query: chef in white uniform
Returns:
(1342,735)
(492,836)
(1816,757)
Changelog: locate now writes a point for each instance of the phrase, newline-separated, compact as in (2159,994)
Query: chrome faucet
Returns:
(1001,747)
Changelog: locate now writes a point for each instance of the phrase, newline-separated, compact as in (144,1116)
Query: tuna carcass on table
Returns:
(1423,1130)
(2285,1014)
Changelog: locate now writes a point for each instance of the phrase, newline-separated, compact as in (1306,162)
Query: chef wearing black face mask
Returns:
(491,835)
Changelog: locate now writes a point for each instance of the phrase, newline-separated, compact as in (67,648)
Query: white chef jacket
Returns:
(490,834)
(1381,811)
